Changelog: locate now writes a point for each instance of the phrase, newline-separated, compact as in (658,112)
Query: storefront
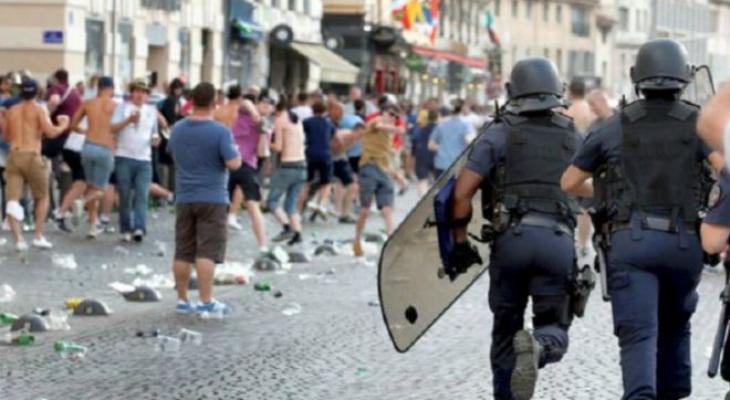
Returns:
(298,66)
(243,38)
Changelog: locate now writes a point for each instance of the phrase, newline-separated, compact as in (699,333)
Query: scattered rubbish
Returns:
(156,281)
(7,318)
(262,286)
(361,371)
(160,249)
(228,278)
(299,257)
(72,302)
(7,294)
(279,254)
(306,277)
(292,309)
(232,273)
(30,322)
(167,344)
(22,338)
(121,287)
(92,307)
(216,314)
(58,320)
(326,249)
(65,261)
(70,350)
(3,241)
(190,336)
(140,269)
(266,264)
(142,334)
(121,251)
(143,294)
(278,294)
(375,237)
(41,311)
(104,267)
(373,303)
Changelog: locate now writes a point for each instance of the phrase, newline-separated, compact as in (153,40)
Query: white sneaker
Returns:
(233,223)
(42,243)
(94,232)
(21,246)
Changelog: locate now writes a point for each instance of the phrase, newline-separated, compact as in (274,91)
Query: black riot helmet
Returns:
(661,65)
(534,85)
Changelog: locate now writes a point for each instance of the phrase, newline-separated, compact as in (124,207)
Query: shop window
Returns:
(184,40)
(94,57)
(579,21)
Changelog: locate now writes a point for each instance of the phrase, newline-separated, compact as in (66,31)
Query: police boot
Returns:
(524,376)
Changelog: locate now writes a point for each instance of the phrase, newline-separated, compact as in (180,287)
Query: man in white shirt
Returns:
(303,110)
(135,123)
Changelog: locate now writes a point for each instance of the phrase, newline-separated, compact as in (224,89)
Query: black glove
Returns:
(462,256)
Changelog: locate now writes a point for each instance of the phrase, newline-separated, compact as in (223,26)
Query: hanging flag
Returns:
(489,24)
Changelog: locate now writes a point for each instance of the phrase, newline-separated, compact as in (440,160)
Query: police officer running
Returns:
(517,163)
(647,165)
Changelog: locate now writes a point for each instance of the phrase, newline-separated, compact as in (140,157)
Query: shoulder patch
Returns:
(561,120)
(682,110)
(634,111)
(512,119)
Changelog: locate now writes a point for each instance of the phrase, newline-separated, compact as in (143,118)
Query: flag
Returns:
(489,24)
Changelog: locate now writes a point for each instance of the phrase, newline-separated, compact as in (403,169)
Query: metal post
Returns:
(114,39)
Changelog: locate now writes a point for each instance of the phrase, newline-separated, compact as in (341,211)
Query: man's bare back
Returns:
(227,114)
(26,123)
(98,112)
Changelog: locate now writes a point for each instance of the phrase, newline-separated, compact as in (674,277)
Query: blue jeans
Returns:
(287,180)
(98,163)
(133,183)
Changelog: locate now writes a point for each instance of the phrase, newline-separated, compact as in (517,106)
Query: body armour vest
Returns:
(658,168)
(528,179)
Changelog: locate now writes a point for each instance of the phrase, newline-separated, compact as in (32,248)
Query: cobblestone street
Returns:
(336,348)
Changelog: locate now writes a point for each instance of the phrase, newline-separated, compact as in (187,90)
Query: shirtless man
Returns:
(97,156)
(714,122)
(24,125)
(583,118)
(227,113)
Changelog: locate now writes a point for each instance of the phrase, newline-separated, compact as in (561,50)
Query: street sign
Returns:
(53,37)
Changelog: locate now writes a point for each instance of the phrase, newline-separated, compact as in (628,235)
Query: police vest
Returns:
(528,178)
(658,168)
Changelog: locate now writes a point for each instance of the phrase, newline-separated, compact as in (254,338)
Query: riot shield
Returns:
(414,290)
(701,89)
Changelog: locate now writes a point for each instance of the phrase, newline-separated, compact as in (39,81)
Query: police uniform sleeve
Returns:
(594,150)
(720,212)
(486,151)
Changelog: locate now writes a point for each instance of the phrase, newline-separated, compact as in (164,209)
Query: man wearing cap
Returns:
(135,124)
(97,155)
(24,126)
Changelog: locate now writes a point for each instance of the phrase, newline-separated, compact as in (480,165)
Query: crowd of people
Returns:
(96,147)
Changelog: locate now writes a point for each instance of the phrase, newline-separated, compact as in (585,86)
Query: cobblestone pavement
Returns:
(336,348)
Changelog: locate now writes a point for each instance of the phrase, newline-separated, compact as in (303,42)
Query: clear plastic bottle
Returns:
(190,336)
(167,344)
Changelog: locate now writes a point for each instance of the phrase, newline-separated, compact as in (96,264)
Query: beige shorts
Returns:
(27,168)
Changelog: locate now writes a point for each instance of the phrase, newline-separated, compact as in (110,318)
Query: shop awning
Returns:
(449,56)
(247,30)
(335,69)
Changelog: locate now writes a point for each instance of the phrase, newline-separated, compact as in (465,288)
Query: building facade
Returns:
(126,39)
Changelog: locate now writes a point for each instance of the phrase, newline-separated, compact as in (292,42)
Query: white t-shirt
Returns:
(303,112)
(135,140)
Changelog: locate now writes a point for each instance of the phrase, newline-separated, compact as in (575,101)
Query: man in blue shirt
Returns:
(319,132)
(203,151)
(449,139)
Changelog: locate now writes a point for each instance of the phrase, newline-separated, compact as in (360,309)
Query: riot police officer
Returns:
(517,163)
(647,166)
